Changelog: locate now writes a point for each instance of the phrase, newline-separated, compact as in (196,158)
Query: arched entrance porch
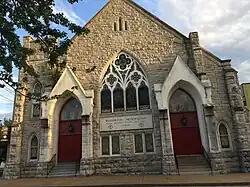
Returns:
(184,124)
(70,132)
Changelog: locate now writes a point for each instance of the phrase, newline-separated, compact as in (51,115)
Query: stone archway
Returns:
(70,132)
(184,124)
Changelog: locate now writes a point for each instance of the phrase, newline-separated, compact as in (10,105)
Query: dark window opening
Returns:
(115,145)
(118,98)
(143,94)
(131,97)
(105,100)
(126,25)
(149,142)
(120,24)
(34,148)
(138,143)
(105,145)
(224,137)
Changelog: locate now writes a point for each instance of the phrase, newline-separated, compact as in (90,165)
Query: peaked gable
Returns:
(68,81)
(139,9)
(180,72)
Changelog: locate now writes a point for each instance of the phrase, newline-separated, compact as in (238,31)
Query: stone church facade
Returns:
(135,93)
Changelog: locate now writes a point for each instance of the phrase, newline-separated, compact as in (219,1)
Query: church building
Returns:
(136,97)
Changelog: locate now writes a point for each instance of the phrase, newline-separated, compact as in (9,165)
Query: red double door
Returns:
(185,133)
(70,141)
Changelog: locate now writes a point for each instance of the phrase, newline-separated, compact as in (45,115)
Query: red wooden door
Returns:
(185,133)
(70,141)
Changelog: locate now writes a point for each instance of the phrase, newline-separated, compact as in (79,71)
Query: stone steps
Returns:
(64,170)
(193,165)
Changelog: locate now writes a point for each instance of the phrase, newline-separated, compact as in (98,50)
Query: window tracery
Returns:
(124,86)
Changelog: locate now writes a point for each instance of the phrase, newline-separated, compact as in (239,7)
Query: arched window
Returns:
(36,105)
(37,90)
(124,86)
(181,102)
(72,110)
(224,137)
(34,148)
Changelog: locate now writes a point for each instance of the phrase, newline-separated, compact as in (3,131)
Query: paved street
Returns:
(240,179)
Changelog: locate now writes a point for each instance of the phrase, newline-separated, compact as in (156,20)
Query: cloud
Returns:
(67,9)
(244,69)
(223,25)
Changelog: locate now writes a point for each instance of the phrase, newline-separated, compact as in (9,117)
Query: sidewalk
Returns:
(239,179)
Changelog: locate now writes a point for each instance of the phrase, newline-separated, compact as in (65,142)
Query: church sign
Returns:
(126,122)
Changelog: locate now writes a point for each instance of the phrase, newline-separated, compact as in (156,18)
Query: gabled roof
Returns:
(67,81)
(145,12)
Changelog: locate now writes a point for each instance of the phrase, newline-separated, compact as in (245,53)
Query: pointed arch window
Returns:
(224,137)
(181,101)
(34,148)
(124,86)
(36,105)
(72,110)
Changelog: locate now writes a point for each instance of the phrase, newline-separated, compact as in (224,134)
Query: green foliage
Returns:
(7,122)
(36,17)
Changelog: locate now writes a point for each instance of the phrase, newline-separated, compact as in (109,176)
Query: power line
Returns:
(9,91)
(6,98)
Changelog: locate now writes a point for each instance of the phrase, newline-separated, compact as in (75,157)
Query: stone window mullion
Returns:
(112,101)
(110,145)
(124,99)
(143,143)
(137,99)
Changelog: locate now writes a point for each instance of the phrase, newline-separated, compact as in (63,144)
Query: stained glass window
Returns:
(118,98)
(71,110)
(106,100)
(131,97)
(105,145)
(34,148)
(138,143)
(149,142)
(181,102)
(224,138)
(115,145)
(127,84)
(143,97)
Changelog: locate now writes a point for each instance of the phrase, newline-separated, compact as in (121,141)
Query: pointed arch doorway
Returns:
(70,132)
(184,124)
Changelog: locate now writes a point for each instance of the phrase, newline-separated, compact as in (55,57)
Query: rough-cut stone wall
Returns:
(152,44)
(155,46)
(24,124)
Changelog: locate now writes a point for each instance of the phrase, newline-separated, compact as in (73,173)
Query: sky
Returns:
(223,27)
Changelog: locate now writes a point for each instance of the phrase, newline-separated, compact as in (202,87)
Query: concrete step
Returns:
(63,170)
(193,165)
(194,169)
(195,172)
(62,175)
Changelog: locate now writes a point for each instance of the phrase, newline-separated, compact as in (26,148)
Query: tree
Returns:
(37,18)
(4,128)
